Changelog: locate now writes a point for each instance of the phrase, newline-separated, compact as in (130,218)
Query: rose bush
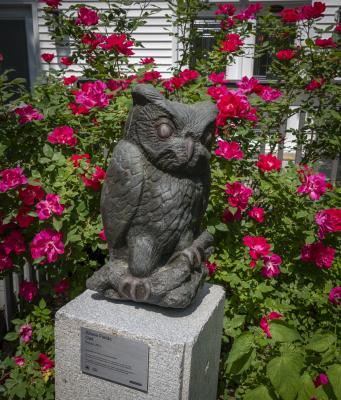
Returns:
(276,224)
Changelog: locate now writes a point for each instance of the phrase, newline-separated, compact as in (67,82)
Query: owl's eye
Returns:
(165,129)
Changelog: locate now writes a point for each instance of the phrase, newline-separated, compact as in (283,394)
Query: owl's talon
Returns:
(134,288)
(193,255)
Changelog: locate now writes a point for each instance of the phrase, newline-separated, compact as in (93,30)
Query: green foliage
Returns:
(304,341)
(31,380)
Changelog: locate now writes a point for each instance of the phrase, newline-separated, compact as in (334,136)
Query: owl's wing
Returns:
(121,192)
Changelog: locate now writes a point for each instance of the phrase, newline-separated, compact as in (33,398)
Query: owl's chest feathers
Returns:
(169,204)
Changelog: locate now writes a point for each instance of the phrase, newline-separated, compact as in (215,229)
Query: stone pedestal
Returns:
(184,346)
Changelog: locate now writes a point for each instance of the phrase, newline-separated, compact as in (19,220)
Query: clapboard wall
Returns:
(154,35)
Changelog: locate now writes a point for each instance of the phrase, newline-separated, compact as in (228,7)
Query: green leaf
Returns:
(321,342)
(57,224)
(221,227)
(48,151)
(307,388)
(241,348)
(42,304)
(20,390)
(11,336)
(284,374)
(260,393)
(334,375)
(282,333)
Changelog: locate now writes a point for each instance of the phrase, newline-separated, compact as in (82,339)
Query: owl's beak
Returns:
(189,147)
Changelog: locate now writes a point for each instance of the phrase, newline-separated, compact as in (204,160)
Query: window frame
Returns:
(27,10)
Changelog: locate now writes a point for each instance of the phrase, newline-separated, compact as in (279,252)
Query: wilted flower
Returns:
(25,332)
(264,322)
(211,267)
(14,242)
(19,361)
(61,286)
(321,255)
(102,236)
(31,193)
(321,379)
(45,362)
(28,290)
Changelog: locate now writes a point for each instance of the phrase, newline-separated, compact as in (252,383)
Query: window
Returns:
(205,40)
(17,41)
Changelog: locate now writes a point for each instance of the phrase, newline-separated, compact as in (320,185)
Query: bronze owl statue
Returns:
(153,200)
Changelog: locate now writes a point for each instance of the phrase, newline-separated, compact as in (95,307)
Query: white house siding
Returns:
(155,37)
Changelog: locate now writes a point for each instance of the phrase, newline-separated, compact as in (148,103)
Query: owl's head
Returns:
(175,137)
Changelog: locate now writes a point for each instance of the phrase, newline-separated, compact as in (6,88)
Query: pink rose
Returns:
(11,178)
(268,163)
(70,80)
(271,266)
(118,43)
(269,94)
(239,195)
(257,213)
(51,205)
(231,43)
(47,243)
(87,17)
(258,246)
(229,150)
(328,221)
(62,135)
(314,185)
(211,267)
(27,114)
(284,55)
(335,295)
(147,60)
(95,179)
(216,78)
(5,260)
(47,57)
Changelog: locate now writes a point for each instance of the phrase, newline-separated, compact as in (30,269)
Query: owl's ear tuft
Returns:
(144,94)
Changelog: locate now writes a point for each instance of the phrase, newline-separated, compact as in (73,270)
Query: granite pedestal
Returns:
(184,346)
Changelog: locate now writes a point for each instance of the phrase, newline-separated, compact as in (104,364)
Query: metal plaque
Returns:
(114,358)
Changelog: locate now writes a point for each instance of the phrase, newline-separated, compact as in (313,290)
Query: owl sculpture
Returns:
(153,200)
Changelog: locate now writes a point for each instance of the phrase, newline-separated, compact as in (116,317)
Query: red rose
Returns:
(47,57)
